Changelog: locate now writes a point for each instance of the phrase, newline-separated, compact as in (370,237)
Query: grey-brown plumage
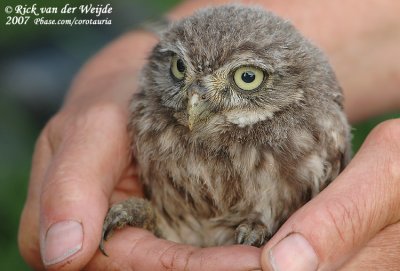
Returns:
(239,121)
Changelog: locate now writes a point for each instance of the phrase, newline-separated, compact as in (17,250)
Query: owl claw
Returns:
(135,212)
(240,236)
(108,229)
(101,247)
(253,233)
(116,218)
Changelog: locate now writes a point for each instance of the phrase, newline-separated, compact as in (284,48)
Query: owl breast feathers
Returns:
(238,122)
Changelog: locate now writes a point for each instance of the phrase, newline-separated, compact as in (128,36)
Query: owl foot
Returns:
(134,212)
(253,233)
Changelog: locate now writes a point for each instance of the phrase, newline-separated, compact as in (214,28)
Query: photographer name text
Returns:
(97,10)
(21,14)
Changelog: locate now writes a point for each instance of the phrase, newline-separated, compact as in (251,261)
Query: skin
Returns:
(81,157)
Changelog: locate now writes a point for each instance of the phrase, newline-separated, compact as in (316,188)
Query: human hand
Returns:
(100,173)
(81,162)
(354,224)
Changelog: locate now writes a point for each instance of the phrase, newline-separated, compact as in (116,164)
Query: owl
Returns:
(238,122)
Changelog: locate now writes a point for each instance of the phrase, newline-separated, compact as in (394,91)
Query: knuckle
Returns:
(388,132)
(56,122)
(105,112)
(383,251)
(52,132)
(68,189)
(391,130)
(68,124)
(175,257)
(113,265)
(100,112)
(42,141)
(58,128)
(105,119)
(344,219)
(136,246)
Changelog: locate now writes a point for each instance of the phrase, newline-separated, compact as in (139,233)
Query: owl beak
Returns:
(198,109)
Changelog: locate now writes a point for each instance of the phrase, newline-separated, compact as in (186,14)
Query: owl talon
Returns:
(135,212)
(101,247)
(253,233)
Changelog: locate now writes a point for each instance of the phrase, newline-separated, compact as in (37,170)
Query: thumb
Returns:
(336,224)
(75,195)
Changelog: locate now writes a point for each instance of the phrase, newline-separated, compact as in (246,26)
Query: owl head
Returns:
(235,66)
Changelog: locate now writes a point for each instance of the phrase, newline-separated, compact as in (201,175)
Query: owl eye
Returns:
(178,67)
(248,78)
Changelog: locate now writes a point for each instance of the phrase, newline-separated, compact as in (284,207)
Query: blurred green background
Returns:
(37,65)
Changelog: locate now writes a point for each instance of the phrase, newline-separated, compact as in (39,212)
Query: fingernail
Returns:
(62,240)
(293,253)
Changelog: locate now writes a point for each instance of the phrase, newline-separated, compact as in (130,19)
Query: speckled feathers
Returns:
(250,158)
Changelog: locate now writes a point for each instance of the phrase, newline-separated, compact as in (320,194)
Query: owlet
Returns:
(238,122)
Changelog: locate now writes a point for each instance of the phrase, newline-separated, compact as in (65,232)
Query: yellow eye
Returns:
(178,68)
(248,78)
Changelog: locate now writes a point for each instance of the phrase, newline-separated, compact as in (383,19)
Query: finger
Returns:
(28,234)
(383,251)
(78,184)
(137,249)
(363,200)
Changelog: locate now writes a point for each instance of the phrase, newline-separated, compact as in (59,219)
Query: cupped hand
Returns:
(81,162)
(354,224)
